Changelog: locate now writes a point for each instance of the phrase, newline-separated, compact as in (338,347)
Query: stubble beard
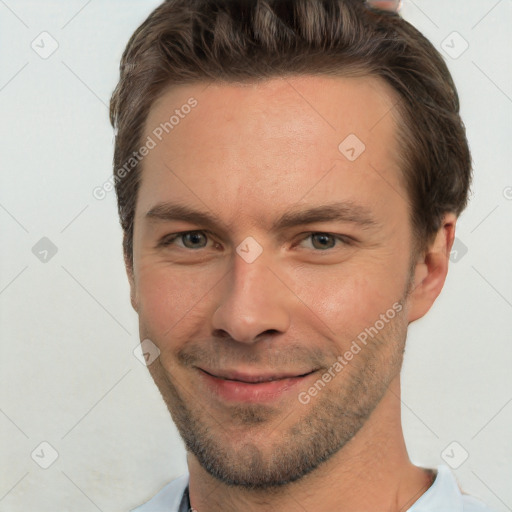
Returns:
(325,425)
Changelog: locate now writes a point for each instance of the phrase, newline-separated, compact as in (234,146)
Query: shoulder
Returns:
(472,504)
(445,495)
(168,499)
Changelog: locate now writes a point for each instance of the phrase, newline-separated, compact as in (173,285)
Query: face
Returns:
(264,254)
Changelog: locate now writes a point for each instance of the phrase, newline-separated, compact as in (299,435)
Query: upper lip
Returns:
(254,377)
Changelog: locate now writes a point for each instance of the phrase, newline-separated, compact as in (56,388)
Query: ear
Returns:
(128,265)
(431,269)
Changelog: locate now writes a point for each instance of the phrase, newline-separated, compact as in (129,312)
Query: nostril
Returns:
(221,334)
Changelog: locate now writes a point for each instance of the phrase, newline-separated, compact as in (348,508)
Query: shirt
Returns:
(443,495)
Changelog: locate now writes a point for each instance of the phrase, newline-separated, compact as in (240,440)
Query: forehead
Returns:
(294,106)
(273,142)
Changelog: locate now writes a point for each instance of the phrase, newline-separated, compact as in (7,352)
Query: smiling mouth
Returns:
(254,379)
(233,386)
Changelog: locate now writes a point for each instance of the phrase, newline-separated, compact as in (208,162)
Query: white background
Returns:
(68,375)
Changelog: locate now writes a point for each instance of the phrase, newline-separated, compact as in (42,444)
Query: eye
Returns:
(325,241)
(195,240)
(190,239)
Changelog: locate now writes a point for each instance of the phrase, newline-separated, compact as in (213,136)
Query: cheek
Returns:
(349,298)
(172,303)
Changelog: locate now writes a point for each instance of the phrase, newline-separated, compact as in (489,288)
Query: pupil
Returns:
(323,238)
(194,238)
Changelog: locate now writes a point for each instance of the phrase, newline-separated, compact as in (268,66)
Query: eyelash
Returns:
(168,240)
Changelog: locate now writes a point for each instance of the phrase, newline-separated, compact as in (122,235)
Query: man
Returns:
(289,176)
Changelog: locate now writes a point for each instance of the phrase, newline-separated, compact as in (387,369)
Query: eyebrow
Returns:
(339,211)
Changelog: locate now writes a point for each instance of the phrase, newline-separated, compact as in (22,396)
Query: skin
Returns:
(248,153)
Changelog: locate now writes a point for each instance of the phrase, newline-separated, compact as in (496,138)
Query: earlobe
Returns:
(431,270)
(131,281)
(133,296)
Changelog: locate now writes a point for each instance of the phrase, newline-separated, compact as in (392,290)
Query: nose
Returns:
(254,302)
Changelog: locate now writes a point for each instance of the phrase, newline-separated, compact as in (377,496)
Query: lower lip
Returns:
(237,391)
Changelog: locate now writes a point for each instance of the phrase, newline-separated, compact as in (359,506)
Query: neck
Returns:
(372,472)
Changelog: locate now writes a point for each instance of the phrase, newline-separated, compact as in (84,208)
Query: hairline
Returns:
(401,124)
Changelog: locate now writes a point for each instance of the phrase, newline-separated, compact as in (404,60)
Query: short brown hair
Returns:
(189,41)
